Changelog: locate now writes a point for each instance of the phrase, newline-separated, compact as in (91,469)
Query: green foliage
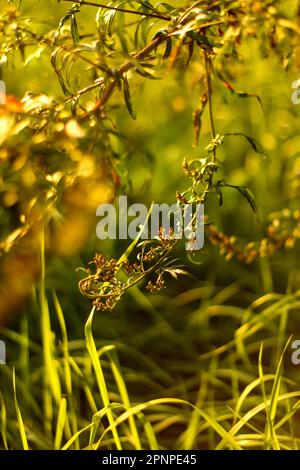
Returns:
(104,99)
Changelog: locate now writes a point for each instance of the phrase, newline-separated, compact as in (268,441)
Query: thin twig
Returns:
(209,97)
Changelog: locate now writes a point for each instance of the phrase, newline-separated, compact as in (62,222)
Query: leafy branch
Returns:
(124,10)
(40,130)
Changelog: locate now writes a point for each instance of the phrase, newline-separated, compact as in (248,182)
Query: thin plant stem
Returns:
(209,97)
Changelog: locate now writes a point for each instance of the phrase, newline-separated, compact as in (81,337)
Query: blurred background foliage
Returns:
(170,343)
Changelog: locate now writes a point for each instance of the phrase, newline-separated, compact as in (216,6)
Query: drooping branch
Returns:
(152,46)
(121,71)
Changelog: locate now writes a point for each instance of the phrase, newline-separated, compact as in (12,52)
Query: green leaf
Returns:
(253,142)
(74,30)
(247,195)
(70,13)
(240,94)
(168,49)
(201,40)
(127,98)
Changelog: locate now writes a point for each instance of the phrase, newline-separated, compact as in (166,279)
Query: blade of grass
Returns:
(253,412)
(3,422)
(24,360)
(67,368)
(61,420)
(92,350)
(149,432)
(116,370)
(51,378)
(143,406)
(98,416)
(19,416)
(76,436)
(131,247)
(263,388)
(271,438)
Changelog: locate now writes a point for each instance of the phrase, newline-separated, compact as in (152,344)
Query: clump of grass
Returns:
(78,395)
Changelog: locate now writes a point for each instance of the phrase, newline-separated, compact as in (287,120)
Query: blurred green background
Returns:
(166,341)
